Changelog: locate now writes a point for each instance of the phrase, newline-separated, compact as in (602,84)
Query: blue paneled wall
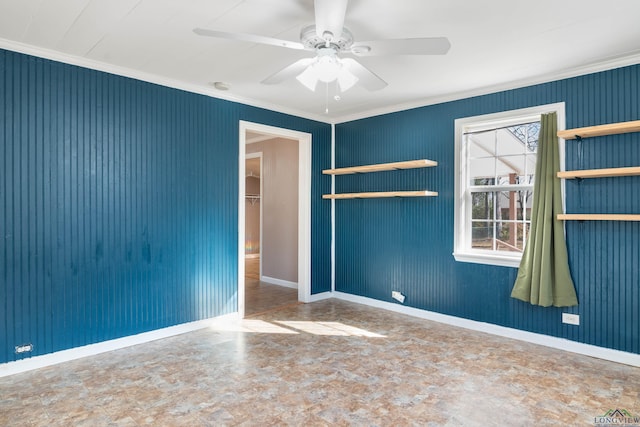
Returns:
(118,209)
(118,204)
(407,244)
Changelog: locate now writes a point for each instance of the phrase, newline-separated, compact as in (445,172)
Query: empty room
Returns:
(329,212)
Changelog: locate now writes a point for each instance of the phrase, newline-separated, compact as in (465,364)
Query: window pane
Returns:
(482,144)
(528,134)
(510,169)
(482,171)
(482,205)
(509,236)
(508,143)
(526,227)
(514,205)
(482,235)
(498,162)
(508,206)
(527,203)
(530,165)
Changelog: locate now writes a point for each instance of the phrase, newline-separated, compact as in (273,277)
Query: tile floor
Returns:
(262,296)
(327,363)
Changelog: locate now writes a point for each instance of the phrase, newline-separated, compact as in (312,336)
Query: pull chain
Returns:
(326,98)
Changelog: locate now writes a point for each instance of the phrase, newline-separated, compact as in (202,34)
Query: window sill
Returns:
(490,259)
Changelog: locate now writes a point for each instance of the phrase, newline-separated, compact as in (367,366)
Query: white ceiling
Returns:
(495,44)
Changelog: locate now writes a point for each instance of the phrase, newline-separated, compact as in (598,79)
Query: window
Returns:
(495,170)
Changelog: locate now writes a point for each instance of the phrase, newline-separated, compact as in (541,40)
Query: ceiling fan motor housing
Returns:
(311,40)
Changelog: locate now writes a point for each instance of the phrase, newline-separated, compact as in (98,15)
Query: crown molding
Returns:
(149,78)
(631,58)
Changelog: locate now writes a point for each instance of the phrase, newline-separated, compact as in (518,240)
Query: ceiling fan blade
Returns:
(251,38)
(288,72)
(367,78)
(330,17)
(418,46)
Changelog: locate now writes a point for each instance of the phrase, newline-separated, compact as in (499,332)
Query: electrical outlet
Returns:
(397,296)
(571,319)
(24,348)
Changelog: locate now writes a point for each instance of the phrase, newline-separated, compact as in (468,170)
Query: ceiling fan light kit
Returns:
(326,68)
(328,38)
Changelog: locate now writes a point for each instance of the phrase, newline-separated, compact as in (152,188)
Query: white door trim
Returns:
(304,206)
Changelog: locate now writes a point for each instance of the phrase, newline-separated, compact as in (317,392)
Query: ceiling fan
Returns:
(328,38)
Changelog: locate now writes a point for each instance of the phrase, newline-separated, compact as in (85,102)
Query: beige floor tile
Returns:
(387,370)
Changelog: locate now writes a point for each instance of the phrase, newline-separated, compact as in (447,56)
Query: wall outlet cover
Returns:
(24,348)
(397,296)
(571,319)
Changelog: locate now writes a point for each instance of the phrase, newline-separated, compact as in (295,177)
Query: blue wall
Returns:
(118,210)
(118,204)
(407,244)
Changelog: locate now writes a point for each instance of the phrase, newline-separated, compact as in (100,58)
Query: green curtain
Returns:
(544,278)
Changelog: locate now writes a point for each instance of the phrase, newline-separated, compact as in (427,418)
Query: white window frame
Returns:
(462,250)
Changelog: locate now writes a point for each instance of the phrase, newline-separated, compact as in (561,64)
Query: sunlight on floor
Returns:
(292,327)
(250,325)
(329,328)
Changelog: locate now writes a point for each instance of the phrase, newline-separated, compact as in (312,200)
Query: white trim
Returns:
(603,65)
(304,205)
(333,209)
(488,258)
(279,282)
(58,357)
(321,296)
(304,216)
(596,67)
(151,78)
(540,339)
(462,251)
(36,362)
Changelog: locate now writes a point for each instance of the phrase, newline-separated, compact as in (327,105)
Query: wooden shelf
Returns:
(598,217)
(599,173)
(409,164)
(610,129)
(422,193)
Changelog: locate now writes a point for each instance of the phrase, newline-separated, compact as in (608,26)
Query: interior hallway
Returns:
(262,296)
(326,363)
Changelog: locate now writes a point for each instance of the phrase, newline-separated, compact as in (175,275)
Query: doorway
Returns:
(249,134)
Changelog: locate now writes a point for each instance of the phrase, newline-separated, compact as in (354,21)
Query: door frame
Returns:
(304,206)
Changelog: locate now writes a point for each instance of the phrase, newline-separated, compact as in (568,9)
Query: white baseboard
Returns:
(251,256)
(321,296)
(50,359)
(36,362)
(545,340)
(279,282)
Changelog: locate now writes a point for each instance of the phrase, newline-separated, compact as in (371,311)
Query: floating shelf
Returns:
(599,173)
(422,193)
(409,164)
(598,217)
(601,130)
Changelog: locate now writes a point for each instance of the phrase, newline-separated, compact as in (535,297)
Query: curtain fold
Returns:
(543,277)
